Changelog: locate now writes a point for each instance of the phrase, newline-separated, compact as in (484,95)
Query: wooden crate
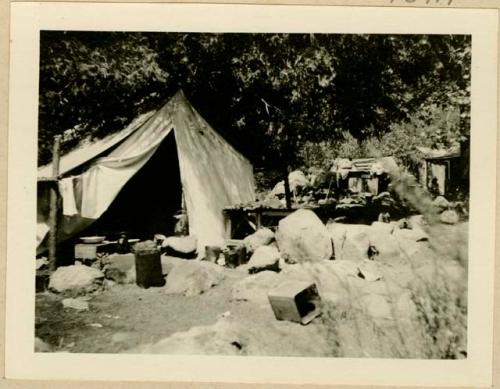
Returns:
(295,301)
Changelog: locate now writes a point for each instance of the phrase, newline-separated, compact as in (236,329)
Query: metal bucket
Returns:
(212,253)
(235,256)
(148,265)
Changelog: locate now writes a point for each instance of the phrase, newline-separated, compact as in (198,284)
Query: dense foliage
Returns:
(272,95)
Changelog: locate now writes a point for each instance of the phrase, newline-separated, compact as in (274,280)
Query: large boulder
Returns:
(74,277)
(191,278)
(382,227)
(383,241)
(261,237)
(264,258)
(168,263)
(302,236)
(351,241)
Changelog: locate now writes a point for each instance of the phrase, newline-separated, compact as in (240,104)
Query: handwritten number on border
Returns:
(448,2)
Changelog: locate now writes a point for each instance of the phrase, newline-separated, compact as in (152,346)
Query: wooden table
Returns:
(254,216)
(91,250)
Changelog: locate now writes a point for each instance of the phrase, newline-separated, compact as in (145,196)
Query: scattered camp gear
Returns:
(122,244)
(235,255)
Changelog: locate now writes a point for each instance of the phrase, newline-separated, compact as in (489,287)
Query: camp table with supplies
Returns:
(92,251)
(256,217)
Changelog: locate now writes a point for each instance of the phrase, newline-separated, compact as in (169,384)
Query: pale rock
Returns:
(369,271)
(191,278)
(345,267)
(255,287)
(168,263)
(441,203)
(185,245)
(377,306)
(416,234)
(383,227)
(221,338)
(404,223)
(78,304)
(264,258)
(41,346)
(405,306)
(351,241)
(409,241)
(296,179)
(302,236)
(386,244)
(121,337)
(417,220)
(74,277)
(261,237)
(449,217)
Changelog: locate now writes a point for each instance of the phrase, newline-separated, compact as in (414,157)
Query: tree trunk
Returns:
(288,193)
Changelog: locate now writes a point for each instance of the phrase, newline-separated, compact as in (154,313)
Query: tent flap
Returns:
(213,174)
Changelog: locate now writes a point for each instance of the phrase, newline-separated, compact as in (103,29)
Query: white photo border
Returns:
(28,19)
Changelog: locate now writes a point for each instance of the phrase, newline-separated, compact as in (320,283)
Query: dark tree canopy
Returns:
(266,93)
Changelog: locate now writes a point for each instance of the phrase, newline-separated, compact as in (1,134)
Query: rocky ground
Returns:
(382,287)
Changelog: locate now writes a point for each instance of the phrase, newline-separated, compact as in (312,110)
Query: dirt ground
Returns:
(130,316)
(138,315)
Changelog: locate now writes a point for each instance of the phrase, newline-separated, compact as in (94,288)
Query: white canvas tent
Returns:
(210,172)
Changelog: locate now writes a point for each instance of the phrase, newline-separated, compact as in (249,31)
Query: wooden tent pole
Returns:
(53,203)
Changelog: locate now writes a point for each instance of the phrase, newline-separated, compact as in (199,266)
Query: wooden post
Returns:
(286,182)
(228,225)
(54,196)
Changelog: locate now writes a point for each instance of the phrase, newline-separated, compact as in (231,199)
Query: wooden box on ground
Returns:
(295,301)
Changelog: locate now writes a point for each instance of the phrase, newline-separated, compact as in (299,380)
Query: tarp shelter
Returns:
(442,165)
(135,179)
(364,174)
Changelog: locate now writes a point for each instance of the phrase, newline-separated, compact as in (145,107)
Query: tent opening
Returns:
(148,201)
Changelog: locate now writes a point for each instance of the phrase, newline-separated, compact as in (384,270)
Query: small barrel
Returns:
(235,256)
(148,265)
(212,253)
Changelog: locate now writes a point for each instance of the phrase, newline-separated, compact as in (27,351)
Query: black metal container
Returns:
(148,265)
